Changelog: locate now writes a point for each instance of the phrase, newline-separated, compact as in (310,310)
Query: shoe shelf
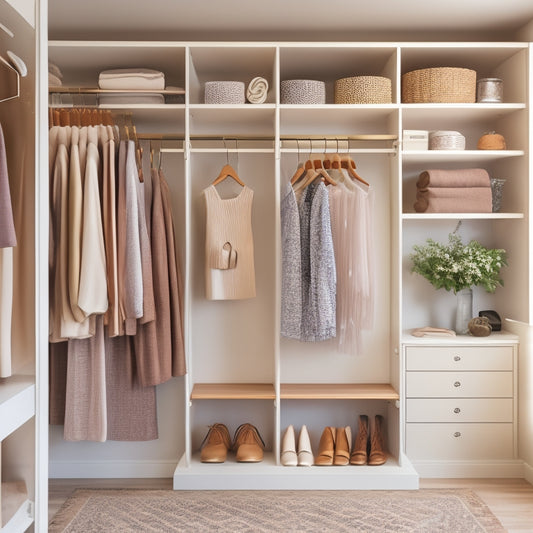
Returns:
(338,391)
(233,391)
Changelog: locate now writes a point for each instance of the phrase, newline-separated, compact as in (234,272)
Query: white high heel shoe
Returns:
(288,448)
(305,454)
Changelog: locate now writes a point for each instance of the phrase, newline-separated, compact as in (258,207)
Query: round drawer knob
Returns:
(456,358)
(457,410)
(457,384)
(457,434)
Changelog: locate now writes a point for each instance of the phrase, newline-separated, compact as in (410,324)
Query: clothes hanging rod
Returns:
(200,137)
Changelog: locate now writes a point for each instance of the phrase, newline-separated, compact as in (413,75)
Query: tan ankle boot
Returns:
(360,453)
(343,443)
(217,442)
(248,444)
(377,447)
(326,448)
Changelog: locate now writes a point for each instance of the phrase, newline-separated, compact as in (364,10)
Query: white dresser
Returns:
(460,405)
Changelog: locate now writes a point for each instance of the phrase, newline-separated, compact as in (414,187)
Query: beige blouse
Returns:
(229,246)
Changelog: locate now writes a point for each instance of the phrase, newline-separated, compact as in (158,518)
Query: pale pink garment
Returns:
(351,211)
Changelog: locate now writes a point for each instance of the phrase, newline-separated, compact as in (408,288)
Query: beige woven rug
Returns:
(126,510)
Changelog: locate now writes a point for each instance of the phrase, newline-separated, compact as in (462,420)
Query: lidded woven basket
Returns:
(363,90)
(446,140)
(303,92)
(224,92)
(452,85)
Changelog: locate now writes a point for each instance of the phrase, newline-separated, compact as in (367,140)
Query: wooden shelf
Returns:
(338,391)
(95,90)
(233,391)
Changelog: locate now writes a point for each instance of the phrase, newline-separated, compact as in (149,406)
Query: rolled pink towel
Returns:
(454,200)
(467,177)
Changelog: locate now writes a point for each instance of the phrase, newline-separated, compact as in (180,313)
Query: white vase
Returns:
(464,311)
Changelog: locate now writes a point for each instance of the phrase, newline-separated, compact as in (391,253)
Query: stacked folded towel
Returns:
(132,79)
(55,76)
(454,191)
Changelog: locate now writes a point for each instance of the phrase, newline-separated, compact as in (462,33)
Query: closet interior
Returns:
(241,369)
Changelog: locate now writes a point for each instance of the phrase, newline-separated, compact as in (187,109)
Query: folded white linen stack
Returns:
(132,79)
(55,76)
(257,91)
(128,98)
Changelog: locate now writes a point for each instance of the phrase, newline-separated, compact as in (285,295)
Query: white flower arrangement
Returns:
(457,266)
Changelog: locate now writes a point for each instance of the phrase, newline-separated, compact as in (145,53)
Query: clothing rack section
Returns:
(116,326)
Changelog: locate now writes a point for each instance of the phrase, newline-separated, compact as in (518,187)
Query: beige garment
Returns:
(63,325)
(229,221)
(110,233)
(86,404)
(75,206)
(133,278)
(175,286)
(6,309)
(93,284)
(131,408)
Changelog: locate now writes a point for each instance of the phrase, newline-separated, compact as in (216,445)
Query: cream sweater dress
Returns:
(229,246)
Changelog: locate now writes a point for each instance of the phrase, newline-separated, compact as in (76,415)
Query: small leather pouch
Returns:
(224,258)
(479,327)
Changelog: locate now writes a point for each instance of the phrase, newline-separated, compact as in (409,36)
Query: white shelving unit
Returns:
(242,370)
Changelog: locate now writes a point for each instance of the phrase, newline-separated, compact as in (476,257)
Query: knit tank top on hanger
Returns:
(229,247)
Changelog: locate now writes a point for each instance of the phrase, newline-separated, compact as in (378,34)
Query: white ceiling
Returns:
(303,20)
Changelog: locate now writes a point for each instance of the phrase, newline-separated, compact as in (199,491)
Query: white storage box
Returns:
(415,140)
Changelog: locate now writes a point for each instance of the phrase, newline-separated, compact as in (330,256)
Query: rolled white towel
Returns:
(257,90)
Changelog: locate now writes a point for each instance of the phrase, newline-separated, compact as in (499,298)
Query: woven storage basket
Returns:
(224,92)
(446,140)
(439,85)
(363,90)
(303,92)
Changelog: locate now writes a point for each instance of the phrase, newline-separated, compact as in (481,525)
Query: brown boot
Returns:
(377,446)
(216,444)
(326,448)
(248,444)
(360,446)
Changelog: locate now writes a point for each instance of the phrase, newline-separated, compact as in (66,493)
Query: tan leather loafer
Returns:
(216,444)
(248,444)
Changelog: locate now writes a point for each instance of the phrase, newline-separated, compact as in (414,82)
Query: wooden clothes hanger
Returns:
(227,171)
(300,170)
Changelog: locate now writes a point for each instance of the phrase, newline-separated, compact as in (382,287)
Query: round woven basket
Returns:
(224,92)
(363,90)
(446,140)
(439,85)
(303,92)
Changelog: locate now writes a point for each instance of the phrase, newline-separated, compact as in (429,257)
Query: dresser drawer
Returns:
(459,358)
(459,410)
(459,441)
(459,384)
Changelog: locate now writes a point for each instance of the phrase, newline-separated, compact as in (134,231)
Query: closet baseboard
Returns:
(528,473)
(471,469)
(111,469)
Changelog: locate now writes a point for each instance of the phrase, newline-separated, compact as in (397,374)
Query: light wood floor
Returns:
(511,500)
